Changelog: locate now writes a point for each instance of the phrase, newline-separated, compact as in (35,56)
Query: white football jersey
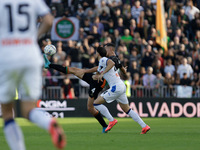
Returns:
(112,76)
(18,31)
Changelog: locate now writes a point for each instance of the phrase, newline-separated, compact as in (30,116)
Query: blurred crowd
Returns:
(130,25)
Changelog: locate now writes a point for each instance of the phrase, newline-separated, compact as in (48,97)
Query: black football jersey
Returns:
(117,62)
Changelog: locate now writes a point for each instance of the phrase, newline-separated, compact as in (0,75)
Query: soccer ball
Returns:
(50,50)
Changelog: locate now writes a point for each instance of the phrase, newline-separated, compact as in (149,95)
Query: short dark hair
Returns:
(109,44)
(102,51)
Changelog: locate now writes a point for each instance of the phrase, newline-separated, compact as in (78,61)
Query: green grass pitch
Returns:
(85,134)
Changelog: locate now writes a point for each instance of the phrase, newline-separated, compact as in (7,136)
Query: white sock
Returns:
(104,111)
(136,118)
(14,136)
(39,118)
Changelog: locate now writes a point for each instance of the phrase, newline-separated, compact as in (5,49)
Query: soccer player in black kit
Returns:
(110,48)
(95,88)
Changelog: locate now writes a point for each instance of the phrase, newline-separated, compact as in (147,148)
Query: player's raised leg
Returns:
(12,131)
(135,117)
(66,70)
(96,114)
(104,111)
(38,117)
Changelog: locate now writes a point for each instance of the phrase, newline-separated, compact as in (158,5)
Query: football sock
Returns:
(59,68)
(100,119)
(39,118)
(104,111)
(14,135)
(136,118)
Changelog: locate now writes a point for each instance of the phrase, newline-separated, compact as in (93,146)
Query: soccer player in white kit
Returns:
(21,68)
(117,90)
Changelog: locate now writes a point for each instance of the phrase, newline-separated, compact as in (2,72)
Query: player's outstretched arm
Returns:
(91,70)
(123,69)
(46,25)
(110,64)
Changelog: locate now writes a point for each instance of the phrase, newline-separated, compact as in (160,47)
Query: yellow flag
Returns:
(161,36)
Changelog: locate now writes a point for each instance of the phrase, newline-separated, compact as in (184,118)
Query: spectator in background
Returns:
(80,13)
(158,68)
(86,26)
(60,55)
(176,45)
(136,10)
(169,68)
(110,28)
(149,78)
(190,10)
(150,16)
(104,8)
(184,68)
(120,26)
(126,38)
(93,36)
(117,14)
(104,17)
(68,90)
(148,5)
(133,27)
(169,28)
(134,56)
(181,52)
(82,35)
(117,38)
(76,54)
(145,31)
(182,20)
(133,68)
(115,3)
(148,57)
(58,6)
(149,82)
(169,82)
(136,83)
(173,9)
(185,81)
(159,82)
(98,24)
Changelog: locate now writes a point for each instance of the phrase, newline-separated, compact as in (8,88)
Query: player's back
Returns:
(18,32)
(112,76)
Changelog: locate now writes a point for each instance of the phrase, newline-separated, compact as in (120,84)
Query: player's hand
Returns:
(126,68)
(95,77)
(100,77)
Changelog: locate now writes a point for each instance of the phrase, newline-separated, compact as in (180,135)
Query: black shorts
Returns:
(95,87)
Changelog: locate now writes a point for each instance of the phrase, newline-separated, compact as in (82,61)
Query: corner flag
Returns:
(161,36)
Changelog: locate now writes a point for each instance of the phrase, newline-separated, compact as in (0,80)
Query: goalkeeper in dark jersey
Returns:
(95,88)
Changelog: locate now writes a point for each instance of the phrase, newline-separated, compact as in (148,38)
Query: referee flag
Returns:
(161,36)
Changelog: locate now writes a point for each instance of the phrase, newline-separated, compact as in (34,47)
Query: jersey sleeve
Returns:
(102,64)
(117,62)
(41,8)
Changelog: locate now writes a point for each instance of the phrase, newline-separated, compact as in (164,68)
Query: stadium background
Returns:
(131,26)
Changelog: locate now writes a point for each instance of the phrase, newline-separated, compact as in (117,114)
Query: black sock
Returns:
(59,68)
(101,120)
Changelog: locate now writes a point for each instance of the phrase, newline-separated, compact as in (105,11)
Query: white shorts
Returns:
(116,92)
(26,78)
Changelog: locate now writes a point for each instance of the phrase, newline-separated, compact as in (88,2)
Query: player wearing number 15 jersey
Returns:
(20,67)
(117,89)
